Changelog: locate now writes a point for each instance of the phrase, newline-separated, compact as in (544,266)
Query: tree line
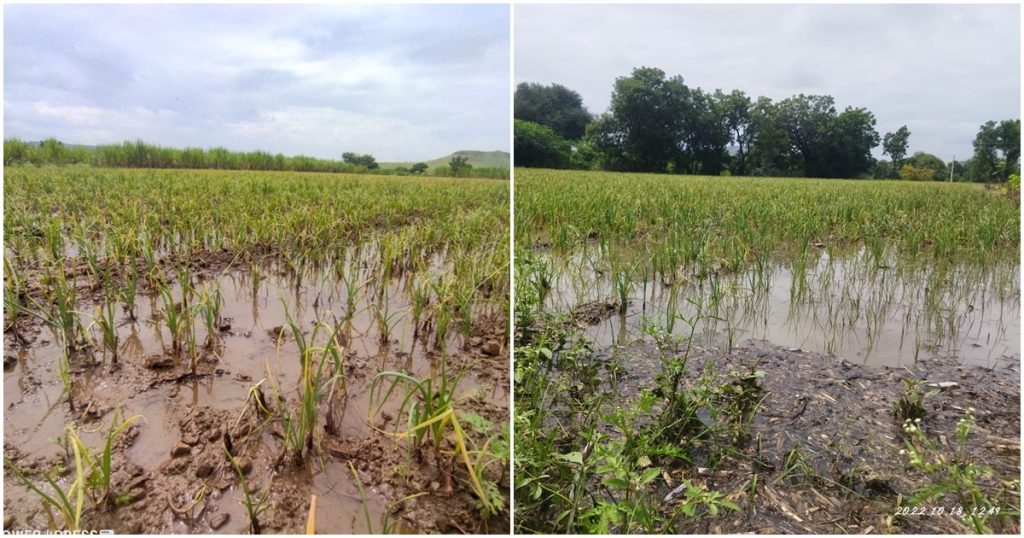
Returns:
(139,154)
(656,123)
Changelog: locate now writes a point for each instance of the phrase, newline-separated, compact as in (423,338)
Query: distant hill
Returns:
(479,159)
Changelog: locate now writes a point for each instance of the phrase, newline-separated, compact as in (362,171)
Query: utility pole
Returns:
(951,165)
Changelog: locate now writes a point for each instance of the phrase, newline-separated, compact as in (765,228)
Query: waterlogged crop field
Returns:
(774,355)
(211,351)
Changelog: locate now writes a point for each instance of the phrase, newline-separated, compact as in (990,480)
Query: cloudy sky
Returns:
(402,82)
(942,70)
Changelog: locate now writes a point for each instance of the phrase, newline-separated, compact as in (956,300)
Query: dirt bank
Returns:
(823,453)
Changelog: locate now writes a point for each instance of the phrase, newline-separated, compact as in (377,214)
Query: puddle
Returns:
(843,306)
(248,346)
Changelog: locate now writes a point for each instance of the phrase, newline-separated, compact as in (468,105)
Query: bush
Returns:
(916,173)
(540,147)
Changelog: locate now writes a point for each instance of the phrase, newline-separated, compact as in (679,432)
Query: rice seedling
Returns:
(431,416)
(14,300)
(420,295)
(210,304)
(100,467)
(60,315)
(106,320)
(91,256)
(70,504)
(129,293)
(92,473)
(321,369)
(255,503)
(172,318)
(349,279)
(386,318)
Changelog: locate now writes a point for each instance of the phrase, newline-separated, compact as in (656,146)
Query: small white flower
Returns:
(917,421)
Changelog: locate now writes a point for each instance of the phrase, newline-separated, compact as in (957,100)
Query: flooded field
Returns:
(840,305)
(267,389)
(732,355)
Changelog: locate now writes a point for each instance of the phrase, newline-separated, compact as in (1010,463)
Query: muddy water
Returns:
(848,306)
(36,409)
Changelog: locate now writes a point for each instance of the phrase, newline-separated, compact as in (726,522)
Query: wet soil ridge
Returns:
(250,358)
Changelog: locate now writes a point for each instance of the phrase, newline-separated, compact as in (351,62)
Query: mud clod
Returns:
(158,362)
(592,313)
(181,449)
(276,333)
(492,348)
(136,495)
(205,469)
(245,464)
(219,520)
(138,482)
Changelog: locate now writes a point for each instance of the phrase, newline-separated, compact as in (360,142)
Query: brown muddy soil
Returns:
(171,473)
(837,416)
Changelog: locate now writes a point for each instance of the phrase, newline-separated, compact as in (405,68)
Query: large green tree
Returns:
(854,138)
(771,151)
(657,124)
(649,113)
(895,146)
(366,160)
(809,122)
(554,106)
(706,135)
(996,151)
(828,144)
(735,109)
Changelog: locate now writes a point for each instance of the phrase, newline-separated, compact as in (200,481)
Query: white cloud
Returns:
(290,79)
(76,115)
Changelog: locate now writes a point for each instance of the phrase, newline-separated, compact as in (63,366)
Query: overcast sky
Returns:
(942,70)
(402,82)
